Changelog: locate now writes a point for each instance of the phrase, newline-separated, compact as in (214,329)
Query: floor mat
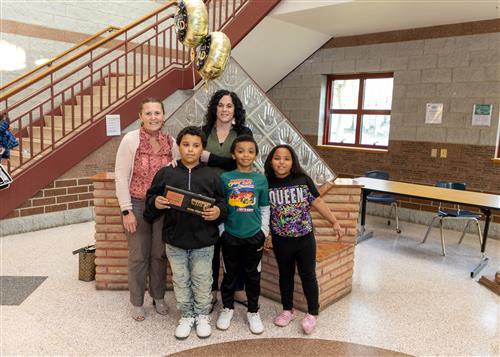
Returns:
(15,289)
(278,347)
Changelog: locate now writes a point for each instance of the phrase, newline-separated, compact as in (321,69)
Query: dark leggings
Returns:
(300,251)
(242,255)
(240,283)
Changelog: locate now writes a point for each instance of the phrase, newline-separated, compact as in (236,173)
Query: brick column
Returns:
(334,259)
(111,242)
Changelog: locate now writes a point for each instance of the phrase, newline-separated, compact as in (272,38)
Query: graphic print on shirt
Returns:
(290,206)
(242,194)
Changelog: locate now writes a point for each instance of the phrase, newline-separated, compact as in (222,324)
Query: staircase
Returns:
(59,114)
(68,120)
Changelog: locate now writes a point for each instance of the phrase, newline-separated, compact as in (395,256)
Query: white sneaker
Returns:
(183,329)
(255,323)
(224,320)
(203,328)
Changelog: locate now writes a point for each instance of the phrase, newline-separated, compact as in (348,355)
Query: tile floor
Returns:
(406,297)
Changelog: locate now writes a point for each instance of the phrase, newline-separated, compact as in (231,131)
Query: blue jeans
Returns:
(192,278)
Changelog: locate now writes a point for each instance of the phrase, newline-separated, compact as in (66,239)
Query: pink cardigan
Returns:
(124,166)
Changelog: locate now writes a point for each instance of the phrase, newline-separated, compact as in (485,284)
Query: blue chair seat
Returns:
(381,198)
(458,213)
(386,198)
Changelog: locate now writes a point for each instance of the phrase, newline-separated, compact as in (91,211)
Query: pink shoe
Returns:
(308,324)
(284,318)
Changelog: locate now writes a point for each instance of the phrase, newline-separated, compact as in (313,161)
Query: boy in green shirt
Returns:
(245,230)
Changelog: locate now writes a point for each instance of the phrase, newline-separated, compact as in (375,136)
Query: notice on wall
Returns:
(481,114)
(434,113)
(113,125)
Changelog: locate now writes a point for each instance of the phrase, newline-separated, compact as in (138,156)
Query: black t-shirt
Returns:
(290,200)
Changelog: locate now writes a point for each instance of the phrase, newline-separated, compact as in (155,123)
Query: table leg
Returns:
(484,259)
(362,235)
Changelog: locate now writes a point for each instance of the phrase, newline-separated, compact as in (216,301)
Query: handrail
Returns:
(86,85)
(88,50)
(52,60)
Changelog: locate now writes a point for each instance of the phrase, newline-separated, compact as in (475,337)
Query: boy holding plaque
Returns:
(191,199)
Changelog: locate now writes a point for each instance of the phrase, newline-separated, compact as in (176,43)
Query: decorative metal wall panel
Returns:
(269,125)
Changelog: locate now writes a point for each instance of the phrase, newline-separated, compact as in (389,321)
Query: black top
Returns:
(181,229)
(225,163)
(290,199)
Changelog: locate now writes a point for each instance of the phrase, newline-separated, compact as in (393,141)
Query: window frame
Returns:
(359,111)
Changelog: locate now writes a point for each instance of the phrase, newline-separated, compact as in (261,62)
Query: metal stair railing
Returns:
(47,110)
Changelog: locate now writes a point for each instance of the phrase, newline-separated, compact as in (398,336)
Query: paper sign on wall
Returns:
(481,114)
(113,126)
(434,113)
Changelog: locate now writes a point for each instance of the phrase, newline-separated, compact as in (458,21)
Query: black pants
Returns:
(300,251)
(242,255)
(240,285)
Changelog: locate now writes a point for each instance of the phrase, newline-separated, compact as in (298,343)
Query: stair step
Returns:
(37,144)
(68,122)
(47,133)
(15,153)
(96,100)
(120,81)
(96,90)
(15,160)
(77,110)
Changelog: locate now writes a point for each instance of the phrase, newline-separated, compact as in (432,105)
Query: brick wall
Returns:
(60,195)
(335,260)
(467,161)
(111,241)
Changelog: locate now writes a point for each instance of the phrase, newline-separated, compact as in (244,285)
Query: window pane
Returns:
(375,130)
(342,128)
(345,94)
(378,93)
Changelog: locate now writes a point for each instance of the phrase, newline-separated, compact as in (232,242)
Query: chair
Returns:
(384,197)
(455,213)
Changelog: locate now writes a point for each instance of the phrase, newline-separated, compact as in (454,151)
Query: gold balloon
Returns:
(191,22)
(213,55)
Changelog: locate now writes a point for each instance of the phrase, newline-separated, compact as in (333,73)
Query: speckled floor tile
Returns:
(406,297)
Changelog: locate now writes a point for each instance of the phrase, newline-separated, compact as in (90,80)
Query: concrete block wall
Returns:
(456,71)
(430,66)
(54,31)
(335,260)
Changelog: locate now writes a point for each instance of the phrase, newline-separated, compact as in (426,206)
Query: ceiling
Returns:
(297,28)
(356,17)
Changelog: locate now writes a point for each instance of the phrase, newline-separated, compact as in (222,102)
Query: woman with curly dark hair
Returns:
(224,122)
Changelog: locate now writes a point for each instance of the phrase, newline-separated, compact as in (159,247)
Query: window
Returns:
(358,110)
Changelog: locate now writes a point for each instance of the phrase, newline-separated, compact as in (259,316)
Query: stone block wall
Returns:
(335,259)
(457,65)
(44,33)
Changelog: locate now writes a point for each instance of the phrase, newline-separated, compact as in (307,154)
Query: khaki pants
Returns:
(146,258)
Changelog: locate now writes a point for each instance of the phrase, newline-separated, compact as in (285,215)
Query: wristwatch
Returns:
(125,212)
